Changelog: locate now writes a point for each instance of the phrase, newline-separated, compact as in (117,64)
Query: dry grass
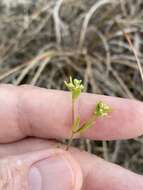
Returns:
(42,43)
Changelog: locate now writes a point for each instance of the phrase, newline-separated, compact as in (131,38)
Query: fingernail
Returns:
(52,173)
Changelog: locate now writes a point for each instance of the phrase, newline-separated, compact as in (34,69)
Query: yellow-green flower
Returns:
(102,109)
(75,86)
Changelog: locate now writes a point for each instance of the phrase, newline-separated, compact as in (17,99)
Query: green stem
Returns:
(70,141)
(73,110)
(90,121)
(71,137)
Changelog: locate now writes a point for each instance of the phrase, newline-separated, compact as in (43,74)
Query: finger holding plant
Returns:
(76,87)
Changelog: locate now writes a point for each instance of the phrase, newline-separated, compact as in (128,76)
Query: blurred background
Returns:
(43,42)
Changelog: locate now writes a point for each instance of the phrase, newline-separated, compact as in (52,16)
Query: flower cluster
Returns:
(75,86)
(102,109)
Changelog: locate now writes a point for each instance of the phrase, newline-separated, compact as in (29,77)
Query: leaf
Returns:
(76,124)
(84,127)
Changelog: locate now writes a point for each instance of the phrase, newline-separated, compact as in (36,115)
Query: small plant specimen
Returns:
(76,87)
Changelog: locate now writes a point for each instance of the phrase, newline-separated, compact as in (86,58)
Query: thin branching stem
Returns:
(101,109)
(72,134)
(73,105)
(70,140)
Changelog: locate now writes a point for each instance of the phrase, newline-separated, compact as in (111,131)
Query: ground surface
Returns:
(42,42)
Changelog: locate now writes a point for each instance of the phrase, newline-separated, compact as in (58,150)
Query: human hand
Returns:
(36,163)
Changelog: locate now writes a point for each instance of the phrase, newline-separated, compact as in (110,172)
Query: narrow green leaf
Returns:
(84,127)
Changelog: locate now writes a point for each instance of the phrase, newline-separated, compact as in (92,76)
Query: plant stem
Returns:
(73,110)
(90,121)
(70,141)
(72,134)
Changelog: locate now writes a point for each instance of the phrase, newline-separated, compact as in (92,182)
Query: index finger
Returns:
(32,111)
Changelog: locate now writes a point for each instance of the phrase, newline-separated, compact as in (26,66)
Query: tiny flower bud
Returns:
(102,109)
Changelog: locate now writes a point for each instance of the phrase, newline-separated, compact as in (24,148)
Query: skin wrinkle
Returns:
(12,175)
(20,114)
(23,112)
(86,178)
(9,122)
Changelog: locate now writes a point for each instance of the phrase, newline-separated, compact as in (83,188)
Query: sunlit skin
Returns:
(45,115)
